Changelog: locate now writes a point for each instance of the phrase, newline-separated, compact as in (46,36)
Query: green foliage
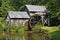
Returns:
(55,35)
(0,3)
(18,29)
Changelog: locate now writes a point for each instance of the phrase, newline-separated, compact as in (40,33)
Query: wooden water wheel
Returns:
(31,23)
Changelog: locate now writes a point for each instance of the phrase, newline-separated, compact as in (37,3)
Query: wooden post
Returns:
(48,21)
(42,17)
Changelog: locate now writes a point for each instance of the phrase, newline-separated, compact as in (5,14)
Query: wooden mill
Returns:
(33,14)
(37,14)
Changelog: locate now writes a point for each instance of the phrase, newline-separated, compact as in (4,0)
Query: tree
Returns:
(6,6)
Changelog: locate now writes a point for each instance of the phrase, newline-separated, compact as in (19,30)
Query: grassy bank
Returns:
(53,32)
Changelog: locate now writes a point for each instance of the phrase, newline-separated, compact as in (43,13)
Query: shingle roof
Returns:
(35,8)
(18,14)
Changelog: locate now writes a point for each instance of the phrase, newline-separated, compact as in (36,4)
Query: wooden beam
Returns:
(42,17)
(45,21)
(48,21)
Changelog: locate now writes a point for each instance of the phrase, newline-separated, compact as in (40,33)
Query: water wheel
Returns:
(31,23)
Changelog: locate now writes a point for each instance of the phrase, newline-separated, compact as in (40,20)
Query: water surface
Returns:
(27,36)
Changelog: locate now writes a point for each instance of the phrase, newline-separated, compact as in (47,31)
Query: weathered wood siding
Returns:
(18,21)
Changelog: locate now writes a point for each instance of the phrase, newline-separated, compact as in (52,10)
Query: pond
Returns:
(27,36)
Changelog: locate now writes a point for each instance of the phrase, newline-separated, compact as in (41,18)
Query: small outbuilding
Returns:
(17,17)
(37,14)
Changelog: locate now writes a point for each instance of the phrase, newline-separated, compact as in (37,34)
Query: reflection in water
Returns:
(28,36)
(15,38)
(34,36)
